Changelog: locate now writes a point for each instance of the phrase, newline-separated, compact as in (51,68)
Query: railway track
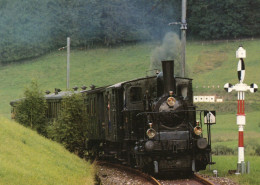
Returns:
(193,180)
(111,173)
(202,180)
(128,175)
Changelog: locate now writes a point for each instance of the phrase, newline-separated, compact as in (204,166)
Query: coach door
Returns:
(100,114)
(110,115)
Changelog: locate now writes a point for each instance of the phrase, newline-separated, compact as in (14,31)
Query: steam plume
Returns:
(169,50)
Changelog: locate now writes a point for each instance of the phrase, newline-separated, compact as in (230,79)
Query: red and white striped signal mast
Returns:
(241,88)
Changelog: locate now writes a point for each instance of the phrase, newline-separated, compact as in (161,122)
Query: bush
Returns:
(71,126)
(30,111)
(223,150)
(257,150)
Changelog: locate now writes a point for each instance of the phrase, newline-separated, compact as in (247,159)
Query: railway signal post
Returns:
(241,88)
(183,28)
(68,63)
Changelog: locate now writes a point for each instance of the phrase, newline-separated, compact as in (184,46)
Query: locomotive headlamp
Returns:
(202,143)
(171,101)
(197,129)
(151,133)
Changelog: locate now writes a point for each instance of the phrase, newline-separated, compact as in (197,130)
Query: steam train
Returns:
(149,123)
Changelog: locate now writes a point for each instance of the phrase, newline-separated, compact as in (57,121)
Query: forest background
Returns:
(30,28)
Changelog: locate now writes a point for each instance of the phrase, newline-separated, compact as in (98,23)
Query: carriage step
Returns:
(107,155)
(113,152)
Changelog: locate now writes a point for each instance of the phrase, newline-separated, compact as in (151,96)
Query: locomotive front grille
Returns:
(175,146)
(174,164)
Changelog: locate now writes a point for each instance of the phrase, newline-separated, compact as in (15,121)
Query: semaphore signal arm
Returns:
(241,87)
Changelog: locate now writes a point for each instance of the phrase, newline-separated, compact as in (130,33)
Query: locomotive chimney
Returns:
(168,78)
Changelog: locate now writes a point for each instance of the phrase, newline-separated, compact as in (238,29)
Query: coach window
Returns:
(135,94)
(184,91)
(49,110)
(55,109)
(88,106)
(92,107)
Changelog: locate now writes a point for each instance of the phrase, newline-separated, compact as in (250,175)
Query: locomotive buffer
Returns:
(241,88)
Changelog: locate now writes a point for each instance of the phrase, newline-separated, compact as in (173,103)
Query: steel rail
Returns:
(202,180)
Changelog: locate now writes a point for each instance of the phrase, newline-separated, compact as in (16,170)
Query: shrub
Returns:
(30,111)
(71,126)
(223,150)
(257,150)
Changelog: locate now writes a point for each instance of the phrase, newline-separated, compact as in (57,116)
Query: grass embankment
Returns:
(27,158)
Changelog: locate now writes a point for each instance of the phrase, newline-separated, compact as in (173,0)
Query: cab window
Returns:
(135,94)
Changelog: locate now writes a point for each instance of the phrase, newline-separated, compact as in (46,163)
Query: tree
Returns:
(34,27)
(30,111)
(217,19)
(70,129)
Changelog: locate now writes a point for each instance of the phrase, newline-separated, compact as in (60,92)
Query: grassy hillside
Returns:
(209,64)
(216,64)
(27,158)
(96,66)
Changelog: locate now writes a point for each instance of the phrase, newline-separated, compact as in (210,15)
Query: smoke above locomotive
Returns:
(168,50)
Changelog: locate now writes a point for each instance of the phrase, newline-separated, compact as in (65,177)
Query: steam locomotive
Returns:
(149,123)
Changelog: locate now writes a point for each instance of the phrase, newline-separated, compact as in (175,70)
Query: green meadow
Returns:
(229,162)
(209,64)
(226,132)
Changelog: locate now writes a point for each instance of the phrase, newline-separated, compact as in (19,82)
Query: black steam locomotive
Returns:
(149,123)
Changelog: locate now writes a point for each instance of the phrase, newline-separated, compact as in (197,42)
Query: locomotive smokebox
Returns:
(168,78)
